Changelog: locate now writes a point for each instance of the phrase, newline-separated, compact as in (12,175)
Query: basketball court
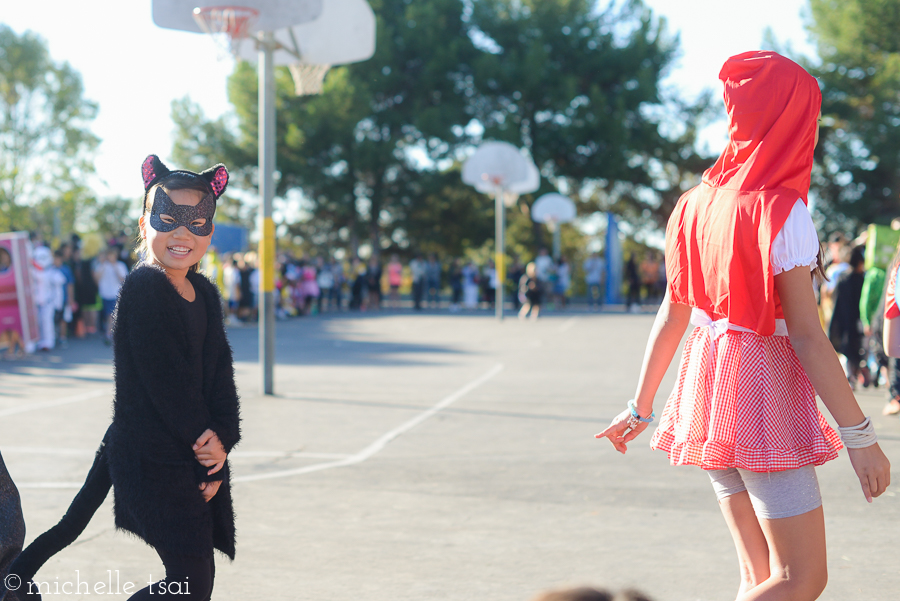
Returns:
(430,457)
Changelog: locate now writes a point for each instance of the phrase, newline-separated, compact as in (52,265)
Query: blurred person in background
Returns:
(246,265)
(845,329)
(489,283)
(231,284)
(395,280)
(456,285)
(563,282)
(309,288)
(871,305)
(433,281)
(340,279)
(531,293)
(594,269)
(86,291)
(373,284)
(838,258)
(544,265)
(63,296)
(650,277)
(358,292)
(325,280)
(633,279)
(470,285)
(513,276)
(418,271)
(109,273)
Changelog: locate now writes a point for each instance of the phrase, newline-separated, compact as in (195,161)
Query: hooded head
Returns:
(773,106)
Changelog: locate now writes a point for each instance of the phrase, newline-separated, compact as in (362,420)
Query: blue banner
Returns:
(230,238)
(614,261)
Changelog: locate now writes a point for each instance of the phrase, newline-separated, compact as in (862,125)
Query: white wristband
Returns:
(859,437)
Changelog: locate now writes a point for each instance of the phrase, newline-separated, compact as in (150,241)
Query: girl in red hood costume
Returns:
(739,251)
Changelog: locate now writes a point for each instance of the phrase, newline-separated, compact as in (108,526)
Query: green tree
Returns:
(375,158)
(580,90)
(46,147)
(351,151)
(858,176)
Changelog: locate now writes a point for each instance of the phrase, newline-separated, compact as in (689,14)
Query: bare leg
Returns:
(749,540)
(798,567)
(523,312)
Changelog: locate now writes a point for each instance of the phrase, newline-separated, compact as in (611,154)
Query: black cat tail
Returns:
(82,509)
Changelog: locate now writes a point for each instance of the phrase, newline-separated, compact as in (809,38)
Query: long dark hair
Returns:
(175,181)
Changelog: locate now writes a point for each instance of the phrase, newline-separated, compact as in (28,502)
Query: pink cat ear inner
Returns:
(151,169)
(219,181)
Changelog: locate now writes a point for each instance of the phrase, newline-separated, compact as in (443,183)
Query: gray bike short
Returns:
(773,494)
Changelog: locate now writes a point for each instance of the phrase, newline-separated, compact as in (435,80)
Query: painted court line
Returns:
(567,324)
(342,460)
(382,442)
(86,396)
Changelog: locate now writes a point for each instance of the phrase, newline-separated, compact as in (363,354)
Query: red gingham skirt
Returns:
(743,402)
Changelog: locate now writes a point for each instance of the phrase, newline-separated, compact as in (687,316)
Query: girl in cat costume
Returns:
(176,414)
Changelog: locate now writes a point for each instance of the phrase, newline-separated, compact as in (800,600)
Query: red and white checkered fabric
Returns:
(753,407)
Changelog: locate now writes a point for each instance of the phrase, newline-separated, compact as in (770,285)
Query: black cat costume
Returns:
(172,384)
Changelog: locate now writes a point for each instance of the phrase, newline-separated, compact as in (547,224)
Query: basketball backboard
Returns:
(273,14)
(496,165)
(343,33)
(553,208)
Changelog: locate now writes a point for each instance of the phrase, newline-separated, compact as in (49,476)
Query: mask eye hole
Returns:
(167,218)
(198,222)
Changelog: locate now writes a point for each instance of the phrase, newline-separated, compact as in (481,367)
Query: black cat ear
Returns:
(152,169)
(217,177)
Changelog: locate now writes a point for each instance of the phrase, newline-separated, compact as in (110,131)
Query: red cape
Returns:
(719,236)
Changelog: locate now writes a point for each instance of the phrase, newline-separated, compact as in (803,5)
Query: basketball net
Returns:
(227,25)
(308,79)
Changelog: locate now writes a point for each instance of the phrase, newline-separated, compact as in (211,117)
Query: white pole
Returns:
(266,225)
(557,240)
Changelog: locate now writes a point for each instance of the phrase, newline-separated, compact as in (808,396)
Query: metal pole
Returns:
(266,225)
(500,245)
(557,241)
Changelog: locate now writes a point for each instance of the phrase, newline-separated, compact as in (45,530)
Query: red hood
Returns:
(772,135)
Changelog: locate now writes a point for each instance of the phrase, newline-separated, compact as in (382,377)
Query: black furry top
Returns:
(164,401)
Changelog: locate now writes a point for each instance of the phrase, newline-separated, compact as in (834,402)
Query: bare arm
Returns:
(892,337)
(671,321)
(813,348)
(821,365)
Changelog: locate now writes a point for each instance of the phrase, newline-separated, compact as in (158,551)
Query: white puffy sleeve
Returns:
(797,243)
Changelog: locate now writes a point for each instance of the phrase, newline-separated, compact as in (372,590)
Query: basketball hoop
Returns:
(308,79)
(228,25)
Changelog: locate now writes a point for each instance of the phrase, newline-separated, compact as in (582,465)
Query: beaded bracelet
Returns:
(637,415)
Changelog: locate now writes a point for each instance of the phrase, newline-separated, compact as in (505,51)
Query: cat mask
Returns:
(155,172)
(184,215)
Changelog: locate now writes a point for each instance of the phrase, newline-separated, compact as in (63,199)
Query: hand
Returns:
(872,468)
(209,451)
(620,432)
(209,489)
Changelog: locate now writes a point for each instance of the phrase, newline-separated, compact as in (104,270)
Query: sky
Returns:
(134,69)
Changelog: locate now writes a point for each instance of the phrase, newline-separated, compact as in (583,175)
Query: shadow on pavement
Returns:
(316,340)
(325,340)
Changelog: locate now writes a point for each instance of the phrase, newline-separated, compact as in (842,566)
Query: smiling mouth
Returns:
(179,251)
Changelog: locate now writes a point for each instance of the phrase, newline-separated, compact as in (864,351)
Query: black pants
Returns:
(894,377)
(187,579)
(418,290)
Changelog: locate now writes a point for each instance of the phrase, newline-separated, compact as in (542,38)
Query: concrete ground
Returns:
(430,456)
